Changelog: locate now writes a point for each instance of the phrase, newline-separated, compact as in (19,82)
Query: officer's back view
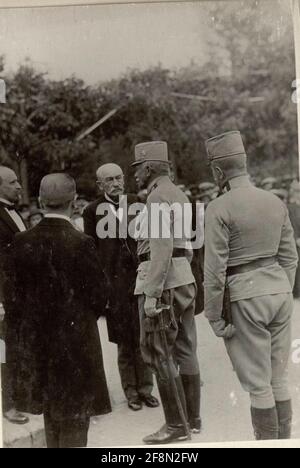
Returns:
(250,245)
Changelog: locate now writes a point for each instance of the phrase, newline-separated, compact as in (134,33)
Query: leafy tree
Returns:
(251,56)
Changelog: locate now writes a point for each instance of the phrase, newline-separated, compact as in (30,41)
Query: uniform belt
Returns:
(177,253)
(259,263)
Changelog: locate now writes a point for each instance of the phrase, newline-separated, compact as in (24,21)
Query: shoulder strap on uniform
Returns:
(154,187)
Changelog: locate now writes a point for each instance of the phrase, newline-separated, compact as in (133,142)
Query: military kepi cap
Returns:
(151,151)
(225,145)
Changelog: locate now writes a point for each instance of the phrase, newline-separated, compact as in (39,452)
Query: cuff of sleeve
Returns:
(157,293)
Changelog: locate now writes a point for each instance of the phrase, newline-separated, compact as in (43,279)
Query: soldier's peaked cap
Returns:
(225,145)
(151,151)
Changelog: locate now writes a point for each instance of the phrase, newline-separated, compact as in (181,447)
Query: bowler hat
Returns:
(225,145)
(150,152)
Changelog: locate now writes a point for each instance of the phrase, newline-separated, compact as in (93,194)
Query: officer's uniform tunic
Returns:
(242,226)
(166,277)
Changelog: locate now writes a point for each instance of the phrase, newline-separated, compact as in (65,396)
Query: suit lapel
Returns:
(8,220)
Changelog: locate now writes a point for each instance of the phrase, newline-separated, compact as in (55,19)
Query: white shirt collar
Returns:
(17,219)
(116,208)
(121,198)
(54,215)
(6,202)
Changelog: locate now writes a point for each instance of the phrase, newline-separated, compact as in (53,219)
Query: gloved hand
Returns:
(221,330)
(150,307)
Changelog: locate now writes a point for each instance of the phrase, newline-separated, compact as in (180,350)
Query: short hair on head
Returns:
(57,190)
(103,170)
(3,169)
(159,167)
(61,206)
(232,165)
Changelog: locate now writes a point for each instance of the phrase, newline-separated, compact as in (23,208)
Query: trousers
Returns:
(67,433)
(136,376)
(259,351)
(181,336)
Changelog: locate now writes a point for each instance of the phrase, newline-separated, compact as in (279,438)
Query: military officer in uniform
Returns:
(165,276)
(249,245)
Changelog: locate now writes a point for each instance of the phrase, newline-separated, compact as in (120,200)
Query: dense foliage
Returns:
(250,57)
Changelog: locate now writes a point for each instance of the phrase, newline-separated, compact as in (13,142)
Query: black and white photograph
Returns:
(150,224)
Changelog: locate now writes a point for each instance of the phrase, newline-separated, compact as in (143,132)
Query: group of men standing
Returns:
(57,282)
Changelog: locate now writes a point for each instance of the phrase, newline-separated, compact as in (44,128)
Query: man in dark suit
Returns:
(119,263)
(10,224)
(57,288)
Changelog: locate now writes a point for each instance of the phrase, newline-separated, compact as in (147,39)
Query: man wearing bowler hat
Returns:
(249,245)
(165,279)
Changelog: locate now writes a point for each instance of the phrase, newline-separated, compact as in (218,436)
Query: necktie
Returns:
(8,207)
(115,204)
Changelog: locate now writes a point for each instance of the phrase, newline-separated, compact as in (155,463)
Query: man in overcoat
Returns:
(57,289)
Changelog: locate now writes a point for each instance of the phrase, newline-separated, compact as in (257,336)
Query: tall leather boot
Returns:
(265,423)
(173,430)
(192,390)
(285,416)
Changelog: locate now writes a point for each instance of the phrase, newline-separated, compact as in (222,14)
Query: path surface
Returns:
(225,406)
